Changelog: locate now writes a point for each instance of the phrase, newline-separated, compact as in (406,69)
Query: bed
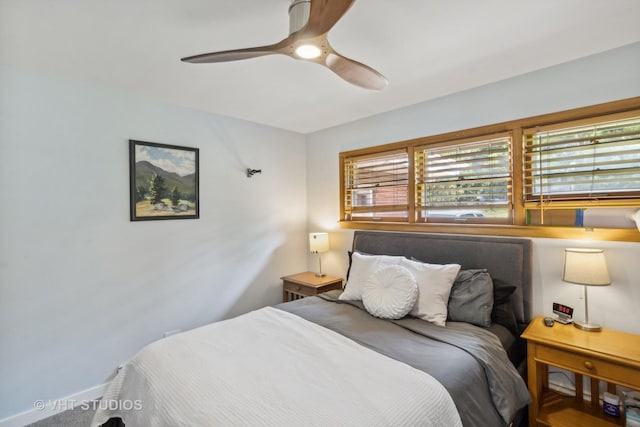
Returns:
(327,361)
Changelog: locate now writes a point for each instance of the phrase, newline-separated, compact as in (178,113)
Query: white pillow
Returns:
(434,286)
(363,266)
(390,292)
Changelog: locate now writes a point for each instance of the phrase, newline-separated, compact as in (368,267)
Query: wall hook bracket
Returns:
(251,172)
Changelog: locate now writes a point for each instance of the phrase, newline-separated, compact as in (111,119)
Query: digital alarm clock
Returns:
(564,313)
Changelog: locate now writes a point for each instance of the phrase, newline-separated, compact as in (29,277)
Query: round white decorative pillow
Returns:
(390,292)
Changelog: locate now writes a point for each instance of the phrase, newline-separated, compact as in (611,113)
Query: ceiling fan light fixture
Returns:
(308,51)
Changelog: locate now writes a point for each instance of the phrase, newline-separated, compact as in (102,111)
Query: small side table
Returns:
(307,284)
(610,356)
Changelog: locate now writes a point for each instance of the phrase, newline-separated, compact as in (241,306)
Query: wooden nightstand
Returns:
(307,284)
(609,356)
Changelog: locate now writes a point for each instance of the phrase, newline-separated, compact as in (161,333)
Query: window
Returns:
(465,181)
(376,186)
(583,164)
(544,176)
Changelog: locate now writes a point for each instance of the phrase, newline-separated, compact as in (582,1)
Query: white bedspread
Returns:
(271,368)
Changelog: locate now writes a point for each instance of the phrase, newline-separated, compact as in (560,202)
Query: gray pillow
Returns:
(471,298)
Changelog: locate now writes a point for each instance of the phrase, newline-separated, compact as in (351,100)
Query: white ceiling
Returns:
(426,49)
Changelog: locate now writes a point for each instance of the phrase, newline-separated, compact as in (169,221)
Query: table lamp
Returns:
(319,243)
(586,267)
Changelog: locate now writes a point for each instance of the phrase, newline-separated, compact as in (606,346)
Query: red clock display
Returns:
(562,309)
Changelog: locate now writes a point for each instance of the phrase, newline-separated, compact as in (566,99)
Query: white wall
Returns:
(81,287)
(600,78)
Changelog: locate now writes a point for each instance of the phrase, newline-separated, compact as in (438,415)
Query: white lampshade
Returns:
(585,267)
(636,218)
(318,242)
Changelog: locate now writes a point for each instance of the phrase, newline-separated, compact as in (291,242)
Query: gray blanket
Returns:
(469,361)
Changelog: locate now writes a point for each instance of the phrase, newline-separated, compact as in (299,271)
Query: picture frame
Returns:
(164,181)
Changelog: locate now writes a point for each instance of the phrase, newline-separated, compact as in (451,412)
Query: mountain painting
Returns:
(163,181)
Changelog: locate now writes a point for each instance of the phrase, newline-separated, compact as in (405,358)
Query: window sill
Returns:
(550,232)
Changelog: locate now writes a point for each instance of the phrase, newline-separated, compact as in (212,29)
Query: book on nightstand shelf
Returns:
(632,408)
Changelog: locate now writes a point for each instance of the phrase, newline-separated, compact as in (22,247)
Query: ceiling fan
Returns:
(309,23)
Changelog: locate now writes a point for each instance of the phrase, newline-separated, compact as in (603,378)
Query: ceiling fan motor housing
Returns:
(298,14)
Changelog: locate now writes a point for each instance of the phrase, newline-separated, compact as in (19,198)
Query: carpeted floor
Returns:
(76,417)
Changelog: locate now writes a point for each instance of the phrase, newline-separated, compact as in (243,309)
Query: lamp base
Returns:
(320,274)
(586,326)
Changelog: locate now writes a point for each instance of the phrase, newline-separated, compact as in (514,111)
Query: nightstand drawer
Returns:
(298,288)
(587,365)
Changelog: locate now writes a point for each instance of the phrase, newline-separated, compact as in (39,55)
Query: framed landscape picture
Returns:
(163,181)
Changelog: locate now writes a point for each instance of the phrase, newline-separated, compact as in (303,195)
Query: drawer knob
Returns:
(588,365)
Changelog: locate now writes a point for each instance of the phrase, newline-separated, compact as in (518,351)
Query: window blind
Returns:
(376,186)
(586,163)
(469,179)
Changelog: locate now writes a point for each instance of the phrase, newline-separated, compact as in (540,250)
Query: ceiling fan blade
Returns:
(355,72)
(227,55)
(237,54)
(323,15)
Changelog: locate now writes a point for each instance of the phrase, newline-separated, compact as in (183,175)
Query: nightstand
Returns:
(307,284)
(609,356)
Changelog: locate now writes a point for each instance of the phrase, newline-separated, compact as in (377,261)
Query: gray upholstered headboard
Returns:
(506,259)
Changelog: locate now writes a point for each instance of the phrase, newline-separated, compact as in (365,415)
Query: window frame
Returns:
(518,227)
(583,198)
(464,144)
(352,214)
